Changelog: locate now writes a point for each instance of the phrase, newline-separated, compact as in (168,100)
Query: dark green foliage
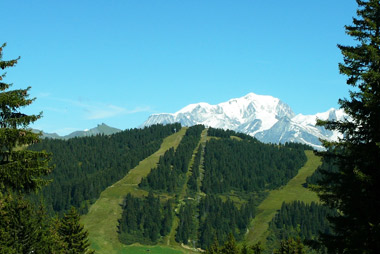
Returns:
(327,167)
(221,133)
(86,166)
(230,246)
(163,177)
(144,220)
(291,246)
(192,183)
(24,227)
(217,219)
(72,233)
(249,166)
(354,190)
(187,224)
(297,146)
(20,170)
(213,248)
(301,221)
(173,165)
(257,248)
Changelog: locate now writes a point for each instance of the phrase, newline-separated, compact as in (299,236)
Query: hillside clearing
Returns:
(102,218)
(294,190)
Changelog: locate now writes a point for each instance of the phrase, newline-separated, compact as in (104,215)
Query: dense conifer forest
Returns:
(218,219)
(248,165)
(173,165)
(328,166)
(144,220)
(300,220)
(85,166)
(233,163)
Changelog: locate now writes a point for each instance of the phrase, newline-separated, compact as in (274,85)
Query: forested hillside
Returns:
(225,179)
(205,189)
(172,167)
(298,220)
(328,166)
(249,165)
(85,166)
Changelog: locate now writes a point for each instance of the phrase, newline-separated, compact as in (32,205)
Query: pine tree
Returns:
(73,234)
(23,227)
(257,248)
(291,246)
(354,190)
(230,246)
(213,248)
(20,169)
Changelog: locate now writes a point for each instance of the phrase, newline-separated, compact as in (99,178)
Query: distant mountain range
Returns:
(265,117)
(100,129)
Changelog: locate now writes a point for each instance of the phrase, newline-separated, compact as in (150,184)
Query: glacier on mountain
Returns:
(265,117)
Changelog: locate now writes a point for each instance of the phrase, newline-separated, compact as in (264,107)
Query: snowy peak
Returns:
(252,112)
(255,106)
(331,114)
(264,117)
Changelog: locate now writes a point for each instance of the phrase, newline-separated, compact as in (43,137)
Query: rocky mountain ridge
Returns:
(100,129)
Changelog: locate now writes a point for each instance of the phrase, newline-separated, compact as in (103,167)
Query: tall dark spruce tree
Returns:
(21,170)
(24,227)
(73,234)
(355,189)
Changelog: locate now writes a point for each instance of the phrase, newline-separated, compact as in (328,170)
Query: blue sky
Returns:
(117,62)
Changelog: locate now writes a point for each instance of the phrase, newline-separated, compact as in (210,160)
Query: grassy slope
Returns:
(292,191)
(102,218)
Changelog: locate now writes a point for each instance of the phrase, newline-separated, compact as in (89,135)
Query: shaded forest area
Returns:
(302,221)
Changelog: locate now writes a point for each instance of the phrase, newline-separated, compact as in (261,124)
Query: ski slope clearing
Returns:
(102,218)
(294,190)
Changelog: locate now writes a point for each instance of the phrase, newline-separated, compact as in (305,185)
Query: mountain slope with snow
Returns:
(265,117)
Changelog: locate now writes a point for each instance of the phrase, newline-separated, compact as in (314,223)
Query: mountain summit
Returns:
(265,117)
(100,129)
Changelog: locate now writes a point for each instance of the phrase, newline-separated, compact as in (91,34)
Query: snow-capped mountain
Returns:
(264,117)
